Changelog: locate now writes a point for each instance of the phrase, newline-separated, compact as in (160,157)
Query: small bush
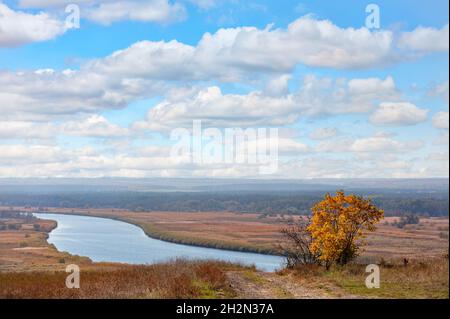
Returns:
(407,220)
(443,235)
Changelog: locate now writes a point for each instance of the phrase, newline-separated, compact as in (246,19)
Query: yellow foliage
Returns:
(337,226)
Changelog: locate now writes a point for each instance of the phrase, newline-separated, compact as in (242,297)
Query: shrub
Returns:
(407,220)
(298,242)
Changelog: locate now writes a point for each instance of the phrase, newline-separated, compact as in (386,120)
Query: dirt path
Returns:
(261,285)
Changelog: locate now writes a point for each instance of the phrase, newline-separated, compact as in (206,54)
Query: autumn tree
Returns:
(338,224)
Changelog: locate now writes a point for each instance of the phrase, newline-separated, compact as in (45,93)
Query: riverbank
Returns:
(109,240)
(152,231)
(252,233)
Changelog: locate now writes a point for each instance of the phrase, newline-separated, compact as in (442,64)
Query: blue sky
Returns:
(102,99)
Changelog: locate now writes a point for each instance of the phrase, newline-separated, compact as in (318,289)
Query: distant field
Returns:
(27,249)
(253,233)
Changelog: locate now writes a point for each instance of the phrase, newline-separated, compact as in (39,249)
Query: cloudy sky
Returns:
(103,99)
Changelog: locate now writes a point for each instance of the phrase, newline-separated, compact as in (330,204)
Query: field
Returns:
(27,249)
(31,268)
(178,279)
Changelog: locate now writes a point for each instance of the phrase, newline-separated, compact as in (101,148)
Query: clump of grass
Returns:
(304,271)
(420,279)
(177,279)
(252,276)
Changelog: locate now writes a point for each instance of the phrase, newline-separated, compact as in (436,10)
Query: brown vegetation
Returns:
(25,247)
(178,279)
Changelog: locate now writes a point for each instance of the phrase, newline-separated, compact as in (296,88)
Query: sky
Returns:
(350,92)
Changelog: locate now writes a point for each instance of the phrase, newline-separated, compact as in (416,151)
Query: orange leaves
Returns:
(337,226)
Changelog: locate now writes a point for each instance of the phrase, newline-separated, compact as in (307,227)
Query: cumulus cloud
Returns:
(441,91)
(425,39)
(327,96)
(398,114)
(316,97)
(13,155)
(221,110)
(379,143)
(160,11)
(109,11)
(146,69)
(45,94)
(443,139)
(323,133)
(278,85)
(91,126)
(382,144)
(25,130)
(18,28)
(306,41)
(204,4)
(440,120)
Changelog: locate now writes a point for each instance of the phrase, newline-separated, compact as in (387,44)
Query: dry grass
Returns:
(426,240)
(427,279)
(178,279)
(27,249)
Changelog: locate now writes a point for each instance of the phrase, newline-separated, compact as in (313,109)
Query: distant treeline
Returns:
(431,204)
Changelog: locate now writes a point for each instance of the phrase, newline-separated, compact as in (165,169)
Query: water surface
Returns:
(107,240)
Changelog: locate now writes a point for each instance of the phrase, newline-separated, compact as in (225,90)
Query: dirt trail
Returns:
(262,285)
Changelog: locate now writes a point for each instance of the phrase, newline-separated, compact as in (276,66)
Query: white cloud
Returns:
(278,85)
(18,28)
(43,95)
(398,114)
(147,68)
(286,146)
(109,11)
(323,133)
(425,39)
(440,120)
(317,97)
(443,139)
(379,143)
(93,126)
(25,130)
(204,4)
(325,96)
(14,155)
(305,41)
(382,144)
(160,11)
(220,110)
(441,90)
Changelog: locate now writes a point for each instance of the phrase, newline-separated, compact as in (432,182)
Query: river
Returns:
(107,240)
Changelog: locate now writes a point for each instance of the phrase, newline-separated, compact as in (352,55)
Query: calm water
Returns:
(114,241)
